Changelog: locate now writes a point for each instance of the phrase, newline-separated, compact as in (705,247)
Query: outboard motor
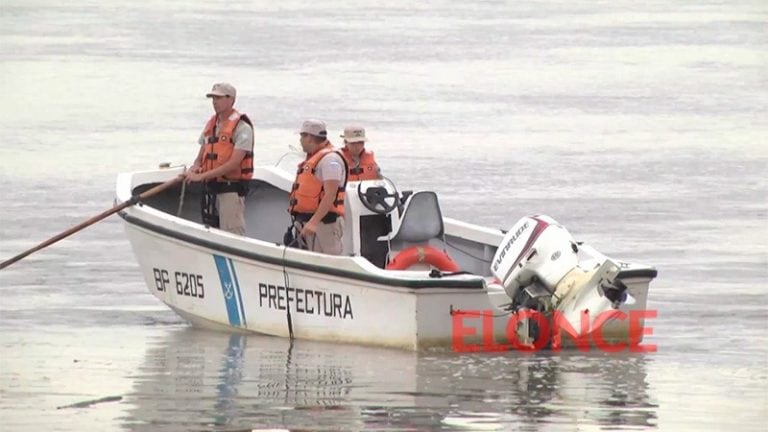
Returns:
(537,264)
(537,250)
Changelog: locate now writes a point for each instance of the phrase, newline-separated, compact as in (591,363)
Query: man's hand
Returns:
(309,229)
(191,177)
(196,169)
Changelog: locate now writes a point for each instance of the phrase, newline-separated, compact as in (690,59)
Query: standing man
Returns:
(362,165)
(225,162)
(317,197)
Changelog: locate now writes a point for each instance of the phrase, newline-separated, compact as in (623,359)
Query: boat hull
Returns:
(219,289)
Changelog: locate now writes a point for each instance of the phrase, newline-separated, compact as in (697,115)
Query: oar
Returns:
(136,198)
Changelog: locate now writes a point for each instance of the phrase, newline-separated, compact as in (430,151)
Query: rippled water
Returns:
(640,126)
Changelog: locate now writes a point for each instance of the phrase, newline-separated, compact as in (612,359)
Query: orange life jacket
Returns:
(219,148)
(307,191)
(367,169)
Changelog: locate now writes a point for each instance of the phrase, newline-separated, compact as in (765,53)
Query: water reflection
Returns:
(230,374)
(543,392)
(199,380)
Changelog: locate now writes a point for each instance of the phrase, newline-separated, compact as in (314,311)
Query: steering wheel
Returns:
(377,198)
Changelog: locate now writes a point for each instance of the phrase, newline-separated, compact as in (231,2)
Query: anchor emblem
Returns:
(228,293)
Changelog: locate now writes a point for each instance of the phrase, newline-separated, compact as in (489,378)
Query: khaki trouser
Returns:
(231,208)
(327,238)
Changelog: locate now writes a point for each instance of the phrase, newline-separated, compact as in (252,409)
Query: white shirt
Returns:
(331,167)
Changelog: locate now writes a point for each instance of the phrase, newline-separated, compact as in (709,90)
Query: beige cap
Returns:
(354,134)
(222,89)
(314,127)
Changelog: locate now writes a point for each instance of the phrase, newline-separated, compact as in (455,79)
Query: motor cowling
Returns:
(536,249)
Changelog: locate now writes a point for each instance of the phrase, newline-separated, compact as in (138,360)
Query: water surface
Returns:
(641,127)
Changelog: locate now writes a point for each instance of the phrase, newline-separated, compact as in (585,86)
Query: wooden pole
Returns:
(135,199)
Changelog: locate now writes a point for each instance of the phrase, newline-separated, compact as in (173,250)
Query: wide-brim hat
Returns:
(354,134)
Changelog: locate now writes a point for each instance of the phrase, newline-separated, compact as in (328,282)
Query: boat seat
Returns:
(420,221)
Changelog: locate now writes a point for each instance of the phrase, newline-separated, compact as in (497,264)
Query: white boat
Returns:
(255,283)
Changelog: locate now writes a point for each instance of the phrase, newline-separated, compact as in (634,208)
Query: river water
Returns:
(641,126)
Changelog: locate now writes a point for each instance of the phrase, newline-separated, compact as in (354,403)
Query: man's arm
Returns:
(330,187)
(332,173)
(231,164)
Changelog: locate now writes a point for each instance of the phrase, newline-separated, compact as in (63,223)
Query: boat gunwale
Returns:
(477,283)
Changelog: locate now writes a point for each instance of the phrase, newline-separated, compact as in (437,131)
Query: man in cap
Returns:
(316,203)
(361,163)
(224,162)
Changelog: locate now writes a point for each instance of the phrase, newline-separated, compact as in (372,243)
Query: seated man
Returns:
(362,165)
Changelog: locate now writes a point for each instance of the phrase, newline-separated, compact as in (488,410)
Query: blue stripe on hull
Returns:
(229,290)
(237,291)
